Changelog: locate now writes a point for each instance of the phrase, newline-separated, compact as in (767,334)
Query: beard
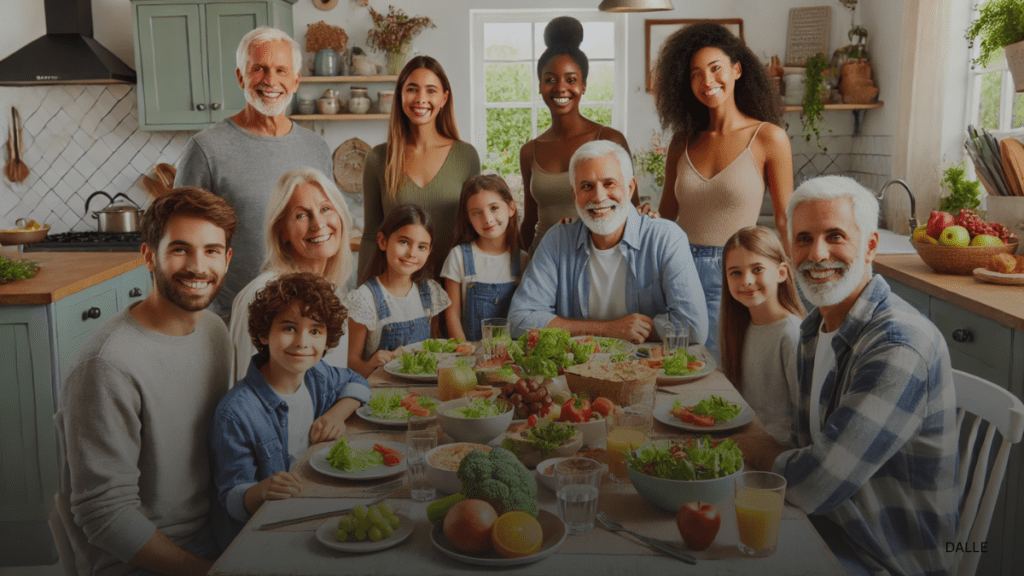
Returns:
(170,289)
(607,224)
(835,290)
(266,109)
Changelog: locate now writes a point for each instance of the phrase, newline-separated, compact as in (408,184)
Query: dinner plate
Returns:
(709,367)
(663,414)
(554,534)
(998,277)
(418,347)
(623,346)
(364,413)
(319,462)
(395,365)
(327,531)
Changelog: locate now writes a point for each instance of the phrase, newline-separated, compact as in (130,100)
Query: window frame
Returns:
(1007,94)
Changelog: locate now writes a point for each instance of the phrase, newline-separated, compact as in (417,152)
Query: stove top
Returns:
(88,242)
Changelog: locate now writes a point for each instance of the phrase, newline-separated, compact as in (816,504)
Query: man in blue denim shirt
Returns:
(875,463)
(613,273)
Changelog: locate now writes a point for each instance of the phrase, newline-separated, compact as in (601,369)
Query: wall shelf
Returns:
(343,116)
(348,79)
(857,109)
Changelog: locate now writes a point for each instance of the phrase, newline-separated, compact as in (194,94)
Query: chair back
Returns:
(1003,412)
(65,552)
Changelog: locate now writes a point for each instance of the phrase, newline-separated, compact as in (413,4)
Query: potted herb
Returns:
(811,116)
(1000,26)
(962,193)
(392,34)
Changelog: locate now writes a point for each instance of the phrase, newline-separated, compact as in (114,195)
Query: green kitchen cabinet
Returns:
(36,344)
(185,57)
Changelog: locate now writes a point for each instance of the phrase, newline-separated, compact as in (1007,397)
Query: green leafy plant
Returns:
(1000,23)
(962,192)
(652,161)
(16,269)
(811,117)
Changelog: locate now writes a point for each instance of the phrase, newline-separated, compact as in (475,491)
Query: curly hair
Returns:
(188,201)
(563,35)
(318,301)
(679,109)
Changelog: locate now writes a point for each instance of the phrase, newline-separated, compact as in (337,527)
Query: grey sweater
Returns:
(134,425)
(769,374)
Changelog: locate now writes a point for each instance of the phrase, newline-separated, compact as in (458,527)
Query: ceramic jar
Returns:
(328,103)
(385,99)
(795,89)
(358,102)
(326,63)
(361,67)
(306,106)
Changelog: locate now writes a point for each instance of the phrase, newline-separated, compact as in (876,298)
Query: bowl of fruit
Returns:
(958,244)
(30,232)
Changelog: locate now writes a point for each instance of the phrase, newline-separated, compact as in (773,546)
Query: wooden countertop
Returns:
(64,273)
(1004,304)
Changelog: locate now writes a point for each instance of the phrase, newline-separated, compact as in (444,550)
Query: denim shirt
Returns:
(883,467)
(661,281)
(249,434)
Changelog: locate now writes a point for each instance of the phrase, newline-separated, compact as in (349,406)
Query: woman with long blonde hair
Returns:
(423,162)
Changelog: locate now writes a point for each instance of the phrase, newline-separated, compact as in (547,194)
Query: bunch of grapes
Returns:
(376,523)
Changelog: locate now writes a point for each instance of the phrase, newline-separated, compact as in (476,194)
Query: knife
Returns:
(280,523)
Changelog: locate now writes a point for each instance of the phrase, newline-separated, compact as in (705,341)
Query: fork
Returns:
(382,492)
(663,547)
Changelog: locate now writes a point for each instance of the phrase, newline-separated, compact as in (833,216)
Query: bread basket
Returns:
(620,382)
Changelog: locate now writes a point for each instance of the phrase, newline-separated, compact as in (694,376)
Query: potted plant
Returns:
(963,193)
(814,107)
(1000,25)
(392,34)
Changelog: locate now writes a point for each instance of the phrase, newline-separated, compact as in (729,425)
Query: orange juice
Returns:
(620,441)
(758,513)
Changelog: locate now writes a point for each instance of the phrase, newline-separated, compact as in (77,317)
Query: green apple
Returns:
(986,240)
(954,236)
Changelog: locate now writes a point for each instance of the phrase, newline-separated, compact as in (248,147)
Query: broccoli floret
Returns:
(497,478)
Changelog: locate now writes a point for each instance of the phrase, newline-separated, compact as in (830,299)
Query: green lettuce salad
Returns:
(676,365)
(543,352)
(478,408)
(715,406)
(545,438)
(343,457)
(387,404)
(441,346)
(418,363)
(702,459)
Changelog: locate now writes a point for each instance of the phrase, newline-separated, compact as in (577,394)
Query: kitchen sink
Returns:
(890,242)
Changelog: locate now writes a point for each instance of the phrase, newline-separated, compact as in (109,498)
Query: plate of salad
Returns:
(394,407)
(708,413)
(682,366)
(548,351)
(360,459)
(612,346)
(414,366)
(443,347)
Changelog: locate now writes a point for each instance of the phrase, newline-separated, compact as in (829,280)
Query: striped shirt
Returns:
(883,467)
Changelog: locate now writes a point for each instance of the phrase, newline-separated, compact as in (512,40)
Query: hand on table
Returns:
(280,486)
(380,358)
(326,428)
(634,328)
(759,449)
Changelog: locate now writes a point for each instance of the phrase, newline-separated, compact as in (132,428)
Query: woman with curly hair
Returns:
(727,146)
(544,161)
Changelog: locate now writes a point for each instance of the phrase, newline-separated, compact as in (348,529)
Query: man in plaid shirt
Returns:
(875,428)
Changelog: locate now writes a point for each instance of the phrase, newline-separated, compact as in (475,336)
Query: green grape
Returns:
(360,534)
(385,509)
(346,523)
(360,511)
(387,530)
(376,518)
(393,522)
(364,524)
(341,536)
(375,534)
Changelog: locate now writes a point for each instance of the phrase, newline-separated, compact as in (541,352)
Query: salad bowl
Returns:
(531,455)
(476,430)
(669,494)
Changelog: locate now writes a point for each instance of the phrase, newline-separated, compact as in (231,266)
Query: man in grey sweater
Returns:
(135,410)
(241,158)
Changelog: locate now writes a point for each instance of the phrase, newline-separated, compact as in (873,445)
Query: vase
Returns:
(325,63)
(396,60)
(1015,62)
(855,83)
(358,102)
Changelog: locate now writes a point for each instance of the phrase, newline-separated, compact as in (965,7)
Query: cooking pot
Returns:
(115,217)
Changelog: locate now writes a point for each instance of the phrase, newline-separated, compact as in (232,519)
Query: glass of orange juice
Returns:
(626,432)
(759,500)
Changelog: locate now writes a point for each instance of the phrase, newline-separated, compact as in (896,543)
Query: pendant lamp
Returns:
(634,5)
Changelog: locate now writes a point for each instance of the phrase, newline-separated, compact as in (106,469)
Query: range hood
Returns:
(67,54)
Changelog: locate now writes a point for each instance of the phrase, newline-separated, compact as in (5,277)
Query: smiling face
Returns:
(489,214)
(754,279)
(189,263)
(310,229)
(601,195)
(562,85)
(295,342)
(423,97)
(406,250)
(828,252)
(269,79)
(713,76)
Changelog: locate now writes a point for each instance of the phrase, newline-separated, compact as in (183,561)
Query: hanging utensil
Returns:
(9,167)
(20,170)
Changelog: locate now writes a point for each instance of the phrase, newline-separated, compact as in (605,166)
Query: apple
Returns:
(939,221)
(954,236)
(698,524)
(986,240)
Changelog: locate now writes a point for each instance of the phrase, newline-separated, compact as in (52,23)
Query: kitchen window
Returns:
(507,109)
(992,103)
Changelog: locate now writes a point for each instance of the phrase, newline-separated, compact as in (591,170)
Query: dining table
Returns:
(295,549)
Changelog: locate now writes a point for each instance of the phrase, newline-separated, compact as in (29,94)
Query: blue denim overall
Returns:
(484,300)
(397,334)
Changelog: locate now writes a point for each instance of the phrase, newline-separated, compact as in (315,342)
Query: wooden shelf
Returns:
(332,117)
(839,107)
(349,79)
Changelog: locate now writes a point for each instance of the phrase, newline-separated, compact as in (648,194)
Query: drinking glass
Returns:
(676,337)
(759,500)
(626,432)
(494,329)
(420,439)
(578,481)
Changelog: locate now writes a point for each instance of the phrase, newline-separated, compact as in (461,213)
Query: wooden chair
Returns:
(1003,412)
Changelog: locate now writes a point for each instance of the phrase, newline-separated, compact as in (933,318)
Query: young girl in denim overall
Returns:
(483,268)
(396,303)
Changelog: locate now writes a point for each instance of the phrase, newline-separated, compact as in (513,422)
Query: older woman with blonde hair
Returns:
(306,227)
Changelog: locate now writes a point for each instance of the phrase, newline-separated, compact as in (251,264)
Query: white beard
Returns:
(263,107)
(606,224)
(834,291)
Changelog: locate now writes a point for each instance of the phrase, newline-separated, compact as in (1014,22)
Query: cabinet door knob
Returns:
(135,292)
(215,105)
(200,107)
(962,335)
(93,313)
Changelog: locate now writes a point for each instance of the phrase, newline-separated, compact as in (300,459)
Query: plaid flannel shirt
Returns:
(883,467)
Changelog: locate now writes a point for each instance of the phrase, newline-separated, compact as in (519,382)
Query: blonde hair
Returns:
(734,318)
(400,128)
(278,259)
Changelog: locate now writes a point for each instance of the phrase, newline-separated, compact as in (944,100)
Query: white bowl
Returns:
(444,479)
(669,495)
(475,430)
(548,479)
(531,456)
(594,432)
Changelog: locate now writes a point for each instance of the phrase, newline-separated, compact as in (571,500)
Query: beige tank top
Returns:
(713,209)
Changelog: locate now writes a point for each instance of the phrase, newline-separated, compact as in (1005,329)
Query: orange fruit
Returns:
(516,534)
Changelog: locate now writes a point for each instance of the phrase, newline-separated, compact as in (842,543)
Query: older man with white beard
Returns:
(241,158)
(612,273)
(875,428)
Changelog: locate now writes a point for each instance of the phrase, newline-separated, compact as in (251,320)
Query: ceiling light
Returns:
(635,5)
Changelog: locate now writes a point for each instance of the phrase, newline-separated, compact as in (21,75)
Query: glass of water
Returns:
(676,337)
(494,333)
(578,481)
(420,439)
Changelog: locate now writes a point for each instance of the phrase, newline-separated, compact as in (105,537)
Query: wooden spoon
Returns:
(9,167)
(20,170)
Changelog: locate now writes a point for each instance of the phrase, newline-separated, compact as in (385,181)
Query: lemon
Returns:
(516,534)
(919,233)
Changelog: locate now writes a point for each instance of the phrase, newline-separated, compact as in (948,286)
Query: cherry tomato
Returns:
(576,409)
(531,422)
(602,405)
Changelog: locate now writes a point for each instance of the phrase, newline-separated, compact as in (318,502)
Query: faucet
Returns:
(902,182)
